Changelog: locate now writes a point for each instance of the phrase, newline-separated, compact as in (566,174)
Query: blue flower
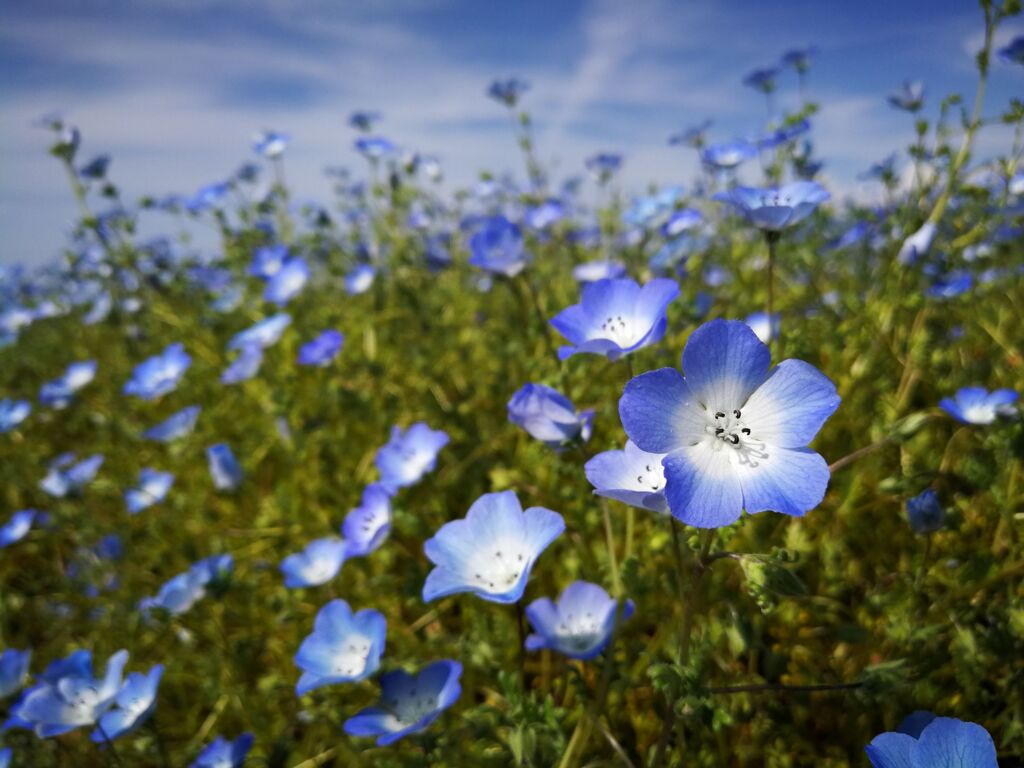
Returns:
(497,246)
(976,405)
(917,245)
(245,366)
(13,670)
(631,476)
(221,753)
(762,79)
(12,413)
(59,392)
(159,374)
(151,489)
(735,432)
(178,425)
(926,741)
(408,703)
(66,477)
(652,210)
(409,455)
(728,155)
(359,279)
(287,282)
(616,317)
(317,564)
(368,525)
(909,97)
(1014,52)
(579,625)
(363,121)
(601,269)
(5,757)
(69,697)
(490,552)
(925,512)
(134,704)
(681,221)
(543,216)
(508,92)
(264,334)
(775,208)
(694,136)
(343,647)
(799,58)
(548,415)
(764,327)
(96,168)
(950,286)
(224,468)
(373,148)
(270,144)
(183,591)
(321,350)
(267,261)
(604,165)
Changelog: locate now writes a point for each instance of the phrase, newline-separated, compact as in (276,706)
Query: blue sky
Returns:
(174,89)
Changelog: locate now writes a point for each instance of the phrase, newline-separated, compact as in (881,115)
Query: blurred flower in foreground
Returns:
(359,280)
(764,327)
(267,261)
(600,269)
(579,625)
(509,91)
(224,467)
(184,590)
(373,148)
(178,425)
(926,741)
(917,244)
(735,432)
(12,413)
(728,155)
(151,489)
(321,350)
(363,121)
(631,476)
(66,477)
(775,208)
(263,334)
(909,97)
(159,374)
(490,552)
(408,703)
(925,512)
(221,753)
(976,405)
(135,702)
(368,525)
(317,564)
(344,647)
(409,455)
(245,366)
(497,246)
(616,317)
(270,144)
(13,670)
(59,392)
(288,281)
(549,416)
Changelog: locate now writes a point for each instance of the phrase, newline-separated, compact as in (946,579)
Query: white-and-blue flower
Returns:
(409,455)
(579,625)
(775,208)
(368,525)
(133,705)
(175,426)
(926,741)
(263,334)
(344,647)
(221,753)
(159,374)
(978,406)
(151,489)
(13,670)
(549,416)
(225,471)
(12,413)
(317,564)
(632,476)
(17,527)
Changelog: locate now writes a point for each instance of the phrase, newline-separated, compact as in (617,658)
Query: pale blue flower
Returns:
(632,476)
(178,425)
(409,455)
(368,525)
(579,625)
(344,647)
(221,753)
(317,564)
(151,489)
(978,406)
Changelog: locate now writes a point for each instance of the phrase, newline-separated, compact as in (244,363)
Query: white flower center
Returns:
(580,631)
(652,477)
(350,658)
(498,569)
(618,329)
(728,430)
(412,707)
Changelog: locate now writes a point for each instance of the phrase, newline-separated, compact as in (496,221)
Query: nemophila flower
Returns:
(159,374)
(224,468)
(409,455)
(62,704)
(96,168)
(133,706)
(783,135)
(363,121)
(344,647)
(631,476)
(317,564)
(775,208)
(245,366)
(1014,52)
(264,334)
(543,216)
(579,625)
(59,392)
(183,591)
(270,144)
(926,741)
(734,430)
(766,328)
(616,317)
(909,97)
(12,413)
(267,261)
(976,405)
(287,282)
(408,703)
(68,477)
(652,210)
(925,512)
(152,487)
(509,91)
(490,552)
(360,279)
(210,196)
(762,79)
(694,136)
(497,246)
(727,155)
(799,58)
(368,525)
(682,221)
(950,286)
(549,416)
(917,245)
(600,269)
(604,165)
(221,753)
(13,670)
(178,425)
(373,148)
(321,350)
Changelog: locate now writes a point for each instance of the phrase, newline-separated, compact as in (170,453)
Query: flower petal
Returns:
(790,407)
(787,480)
(659,412)
(724,363)
(703,489)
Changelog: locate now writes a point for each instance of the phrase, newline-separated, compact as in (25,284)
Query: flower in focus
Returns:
(548,415)
(976,405)
(631,476)
(12,413)
(368,525)
(616,317)
(151,489)
(322,349)
(579,625)
(221,753)
(775,208)
(497,246)
(344,647)
(490,552)
(926,741)
(409,455)
(224,467)
(134,703)
(178,425)
(159,374)
(925,512)
(317,564)
(408,703)
(735,432)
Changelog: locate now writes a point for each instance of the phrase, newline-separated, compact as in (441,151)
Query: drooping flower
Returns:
(631,476)
(287,282)
(579,625)
(775,208)
(735,432)
(509,91)
(183,591)
(408,703)
(178,425)
(221,753)
(66,477)
(151,489)
(344,647)
(359,280)
(497,247)
(245,366)
(549,416)
(616,317)
(159,374)
(224,468)
(13,670)
(12,413)
(909,97)
(368,525)
(60,392)
(133,706)
(263,334)
(317,564)
(926,741)
(270,144)
(925,512)
(1014,52)
(976,405)
(409,455)
(766,328)
(322,349)
(490,552)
